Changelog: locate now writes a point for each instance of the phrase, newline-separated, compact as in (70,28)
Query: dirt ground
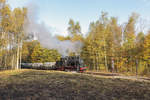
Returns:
(117,75)
(53,85)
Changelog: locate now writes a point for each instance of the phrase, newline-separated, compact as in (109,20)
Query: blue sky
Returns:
(56,13)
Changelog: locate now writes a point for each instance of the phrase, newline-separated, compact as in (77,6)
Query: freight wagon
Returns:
(40,66)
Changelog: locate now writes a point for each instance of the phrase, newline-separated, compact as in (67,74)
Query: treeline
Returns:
(15,46)
(33,52)
(114,47)
(11,35)
(108,45)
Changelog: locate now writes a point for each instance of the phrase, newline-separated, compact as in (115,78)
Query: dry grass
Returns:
(52,85)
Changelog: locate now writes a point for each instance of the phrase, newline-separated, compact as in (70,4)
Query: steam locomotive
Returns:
(69,63)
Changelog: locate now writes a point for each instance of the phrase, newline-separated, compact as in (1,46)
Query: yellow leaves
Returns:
(25,11)
(147,41)
(18,16)
(12,21)
(62,38)
(11,36)
(147,48)
(74,28)
(2,1)
(5,11)
(6,16)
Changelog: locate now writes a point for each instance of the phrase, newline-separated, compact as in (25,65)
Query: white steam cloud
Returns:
(45,36)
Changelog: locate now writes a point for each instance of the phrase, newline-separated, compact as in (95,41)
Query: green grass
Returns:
(53,85)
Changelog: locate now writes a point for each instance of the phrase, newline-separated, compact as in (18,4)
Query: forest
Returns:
(108,46)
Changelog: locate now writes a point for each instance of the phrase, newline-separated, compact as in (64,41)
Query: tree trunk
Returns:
(17,58)
(12,64)
(112,64)
(106,65)
(136,67)
(20,55)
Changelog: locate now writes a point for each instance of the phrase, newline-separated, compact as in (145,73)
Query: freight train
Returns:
(71,63)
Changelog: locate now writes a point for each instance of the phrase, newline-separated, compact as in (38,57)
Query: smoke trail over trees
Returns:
(45,37)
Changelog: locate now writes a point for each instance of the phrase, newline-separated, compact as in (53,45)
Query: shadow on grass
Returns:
(50,85)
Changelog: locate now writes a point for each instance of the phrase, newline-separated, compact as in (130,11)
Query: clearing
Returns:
(55,85)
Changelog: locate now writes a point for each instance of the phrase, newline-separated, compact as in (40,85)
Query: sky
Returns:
(56,13)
